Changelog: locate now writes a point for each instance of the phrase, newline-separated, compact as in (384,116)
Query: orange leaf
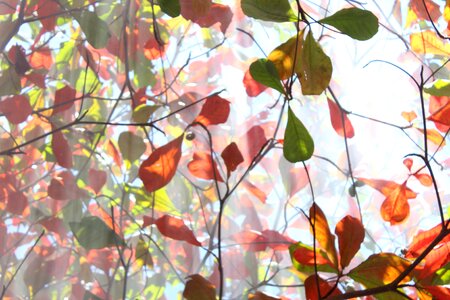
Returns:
(336,115)
(257,192)
(111,149)
(215,111)
(436,103)
(435,260)
(324,287)
(152,50)
(61,150)
(442,115)
(64,99)
(200,166)
(434,136)
(63,187)
(16,108)
(408,162)
(438,292)
(350,233)
(323,233)
(427,42)
(175,228)
(305,256)
(409,116)
(198,288)
(252,87)
(232,157)
(41,58)
(159,168)
(424,179)
(423,239)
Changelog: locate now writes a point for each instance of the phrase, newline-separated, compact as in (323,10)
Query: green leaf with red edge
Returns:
(395,208)
(203,166)
(16,108)
(322,232)
(159,168)
(422,239)
(198,288)
(380,269)
(175,228)
(302,257)
(232,157)
(336,115)
(215,111)
(350,233)
(325,287)
(61,150)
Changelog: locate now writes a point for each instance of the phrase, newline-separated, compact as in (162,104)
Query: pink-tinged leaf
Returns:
(252,87)
(159,168)
(255,191)
(250,240)
(424,179)
(16,108)
(148,221)
(61,150)
(408,162)
(215,111)
(395,208)
(64,99)
(41,59)
(175,228)
(201,166)
(63,187)
(252,142)
(47,12)
(17,203)
(336,115)
(324,286)
(409,116)
(350,233)
(276,240)
(54,224)
(423,239)
(8,7)
(437,103)
(198,288)
(323,233)
(217,13)
(232,157)
(97,179)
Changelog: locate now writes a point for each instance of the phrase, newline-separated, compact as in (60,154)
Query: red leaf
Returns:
(148,221)
(200,166)
(442,115)
(252,87)
(152,50)
(54,224)
(64,99)
(97,179)
(435,104)
(198,288)
(159,168)
(336,115)
(215,111)
(276,240)
(217,13)
(424,179)
(252,142)
(323,233)
(408,162)
(8,7)
(36,78)
(16,108)
(417,6)
(423,239)
(61,150)
(63,187)
(17,202)
(251,240)
(175,228)
(232,157)
(350,233)
(439,292)
(192,9)
(17,56)
(324,287)
(395,207)
(257,192)
(47,12)
(435,260)
(41,58)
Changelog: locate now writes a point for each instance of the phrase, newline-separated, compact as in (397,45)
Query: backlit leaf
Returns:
(95,29)
(252,87)
(442,115)
(97,179)
(424,179)
(324,286)
(284,55)
(16,108)
(159,168)
(255,191)
(336,116)
(170,7)
(409,116)
(298,143)
(64,99)
(142,113)
(204,167)
(422,239)
(93,233)
(131,146)
(175,228)
(217,13)
(198,288)
(264,71)
(434,136)
(323,234)
(269,10)
(232,157)
(302,257)
(427,42)
(357,23)
(61,150)
(350,233)
(215,111)
(143,256)
(440,87)
(315,67)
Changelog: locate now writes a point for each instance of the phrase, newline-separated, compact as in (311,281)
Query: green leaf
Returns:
(269,10)
(170,7)
(131,146)
(298,144)
(439,88)
(9,82)
(315,67)
(442,276)
(95,29)
(158,200)
(93,233)
(264,72)
(142,113)
(357,23)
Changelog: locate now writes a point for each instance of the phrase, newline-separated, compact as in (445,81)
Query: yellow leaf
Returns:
(427,42)
(283,56)
(434,136)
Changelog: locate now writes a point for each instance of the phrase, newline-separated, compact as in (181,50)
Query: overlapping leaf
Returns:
(269,10)
(322,233)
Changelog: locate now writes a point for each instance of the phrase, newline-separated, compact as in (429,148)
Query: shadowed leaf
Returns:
(198,288)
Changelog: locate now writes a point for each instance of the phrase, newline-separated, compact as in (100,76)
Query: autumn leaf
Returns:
(131,146)
(16,108)
(252,142)
(436,103)
(217,13)
(159,168)
(276,240)
(336,116)
(63,186)
(64,99)
(261,296)
(204,167)
(442,115)
(215,111)
(409,116)
(198,288)
(232,157)
(255,191)
(97,179)
(350,232)
(175,228)
(41,58)
(265,72)
(61,150)
(395,208)
(142,254)
(284,56)
(422,239)
(16,55)
(324,287)
(433,136)
(322,232)
(252,87)
(427,42)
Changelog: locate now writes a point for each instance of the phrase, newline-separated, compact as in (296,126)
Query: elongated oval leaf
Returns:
(264,72)
(298,143)
(350,233)
(269,10)
(357,23)
(315,67)
(95,29)
(323,233)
